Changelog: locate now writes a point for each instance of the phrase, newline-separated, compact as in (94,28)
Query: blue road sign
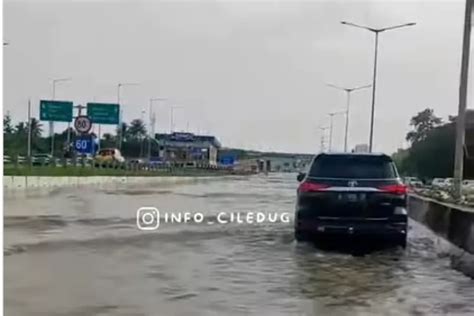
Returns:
(227,160)
(84,145)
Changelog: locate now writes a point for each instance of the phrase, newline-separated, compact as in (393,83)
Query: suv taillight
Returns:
(398,189)
(311,187)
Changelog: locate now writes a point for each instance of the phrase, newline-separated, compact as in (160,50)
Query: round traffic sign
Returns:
(83,124)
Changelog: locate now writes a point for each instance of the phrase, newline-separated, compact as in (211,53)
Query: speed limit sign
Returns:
(83,124)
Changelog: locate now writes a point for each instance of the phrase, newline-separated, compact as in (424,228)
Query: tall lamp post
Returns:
(323,130)
(348,101)
(119,129)
(331,116)
(142,140)
(376,32)
(51,123)
(151,128)
(172,108)
(461,119)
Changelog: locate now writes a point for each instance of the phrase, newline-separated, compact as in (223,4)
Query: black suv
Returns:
(351,194)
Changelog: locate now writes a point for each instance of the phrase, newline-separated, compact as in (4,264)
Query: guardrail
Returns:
(24,164)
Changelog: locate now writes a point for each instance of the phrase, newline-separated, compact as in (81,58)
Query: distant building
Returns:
(188,148)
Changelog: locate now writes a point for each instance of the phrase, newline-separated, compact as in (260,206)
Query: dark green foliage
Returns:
(432,148)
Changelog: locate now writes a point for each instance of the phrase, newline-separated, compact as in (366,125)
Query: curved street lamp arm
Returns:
(396,26)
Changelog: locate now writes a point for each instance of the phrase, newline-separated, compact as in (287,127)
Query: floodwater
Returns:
(79,252)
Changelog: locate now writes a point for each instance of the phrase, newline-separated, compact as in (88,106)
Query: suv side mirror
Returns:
(300,176)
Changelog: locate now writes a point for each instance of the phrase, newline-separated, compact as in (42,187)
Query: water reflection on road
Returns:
(78,252)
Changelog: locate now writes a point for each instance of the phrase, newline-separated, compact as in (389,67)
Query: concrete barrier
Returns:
(454,223)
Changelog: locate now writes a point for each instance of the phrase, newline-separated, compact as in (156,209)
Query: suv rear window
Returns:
(353,166)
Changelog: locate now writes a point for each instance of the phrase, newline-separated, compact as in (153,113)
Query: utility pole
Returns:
(461,119)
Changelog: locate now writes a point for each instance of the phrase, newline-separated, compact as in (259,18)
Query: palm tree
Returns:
(36,128)
(137,129)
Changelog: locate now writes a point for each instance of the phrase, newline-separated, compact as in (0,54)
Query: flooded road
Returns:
(79,252)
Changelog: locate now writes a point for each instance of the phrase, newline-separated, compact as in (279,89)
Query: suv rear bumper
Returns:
(352,227)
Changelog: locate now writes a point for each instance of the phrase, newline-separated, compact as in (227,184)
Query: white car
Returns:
(468,185)
(413,182)
(438,183)
(448,182)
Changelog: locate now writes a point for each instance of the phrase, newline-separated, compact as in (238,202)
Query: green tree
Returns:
(434,155)
(137,129)
(7,125)
(107,137)
(422,123)
(123,130)
(21,129)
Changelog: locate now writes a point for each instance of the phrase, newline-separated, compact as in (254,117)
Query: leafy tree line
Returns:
(431,152)
(15,136)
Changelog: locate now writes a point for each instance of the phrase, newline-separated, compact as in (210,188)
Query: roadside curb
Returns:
(454,223)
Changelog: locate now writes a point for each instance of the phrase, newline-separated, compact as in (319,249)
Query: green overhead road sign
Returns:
(103,113)
(55,111)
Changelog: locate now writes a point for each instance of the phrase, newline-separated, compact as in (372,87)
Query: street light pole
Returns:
(461,119)
(29,130)
(119,129)
(51,123)
(142,119)
(374,82)
(376,31)
(331,116)
(348,98)
(323,129)
(151,129)
(172,117)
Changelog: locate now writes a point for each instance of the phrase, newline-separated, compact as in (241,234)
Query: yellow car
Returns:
(109,155)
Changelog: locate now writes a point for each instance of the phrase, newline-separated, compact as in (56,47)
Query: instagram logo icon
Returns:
(148,218)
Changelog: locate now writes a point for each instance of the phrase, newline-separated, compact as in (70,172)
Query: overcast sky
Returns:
(252,73)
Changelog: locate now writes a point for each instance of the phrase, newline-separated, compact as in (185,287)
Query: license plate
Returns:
(355,197)
(352,197)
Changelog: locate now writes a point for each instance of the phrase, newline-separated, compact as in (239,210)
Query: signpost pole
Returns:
(119,125)
(98,136)
(68,138)
(51,123)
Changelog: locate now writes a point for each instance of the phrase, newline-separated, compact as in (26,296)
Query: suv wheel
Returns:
(401,241)
(300,236)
